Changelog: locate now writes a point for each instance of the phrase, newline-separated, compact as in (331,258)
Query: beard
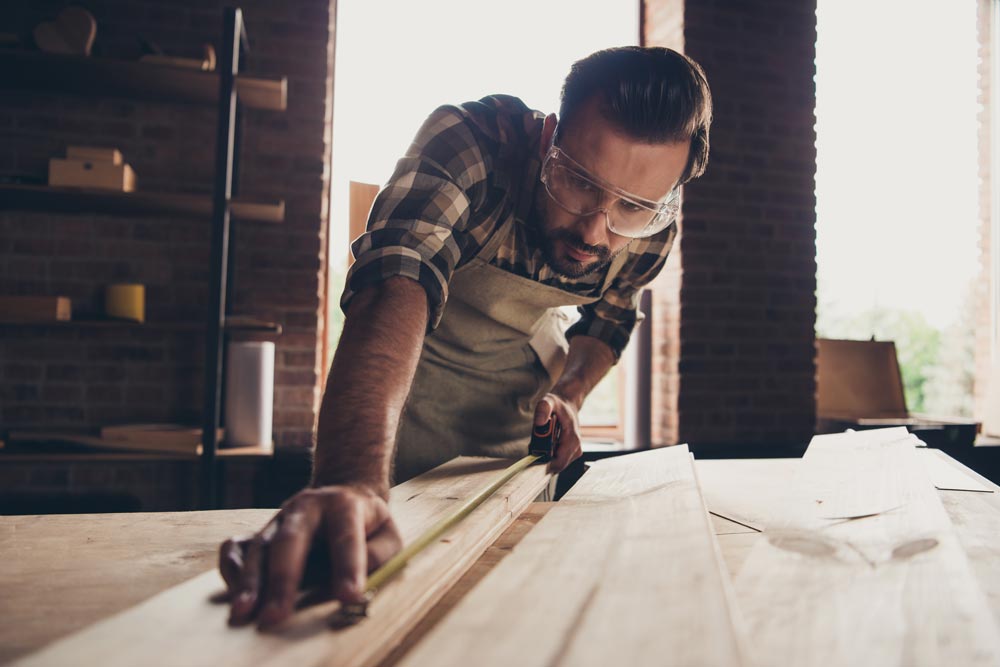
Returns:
(568,267)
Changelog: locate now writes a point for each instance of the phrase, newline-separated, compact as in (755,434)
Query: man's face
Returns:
(580,244)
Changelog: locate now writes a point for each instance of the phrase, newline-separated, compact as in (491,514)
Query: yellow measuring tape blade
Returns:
(399,561)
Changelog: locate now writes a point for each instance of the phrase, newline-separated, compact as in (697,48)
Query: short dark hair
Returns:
(653,94)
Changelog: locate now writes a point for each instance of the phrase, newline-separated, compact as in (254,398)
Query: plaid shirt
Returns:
(469,169)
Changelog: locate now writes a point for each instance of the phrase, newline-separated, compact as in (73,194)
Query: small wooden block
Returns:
(76,173)
(35,308)
(95,154)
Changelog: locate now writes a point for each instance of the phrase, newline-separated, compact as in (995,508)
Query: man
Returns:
(496,216)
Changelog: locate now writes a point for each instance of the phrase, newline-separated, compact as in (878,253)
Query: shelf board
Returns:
(78,200)
(233,323)
(29,70)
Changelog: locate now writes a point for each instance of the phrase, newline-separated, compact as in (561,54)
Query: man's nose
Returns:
(593,227)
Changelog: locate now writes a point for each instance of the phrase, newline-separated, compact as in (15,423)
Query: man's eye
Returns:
(579,182)
(630,207)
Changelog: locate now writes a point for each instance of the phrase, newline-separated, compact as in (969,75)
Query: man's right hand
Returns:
(349,526)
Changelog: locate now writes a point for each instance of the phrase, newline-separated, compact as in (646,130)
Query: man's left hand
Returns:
(568,447)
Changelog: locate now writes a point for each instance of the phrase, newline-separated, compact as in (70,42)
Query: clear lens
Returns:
(580,195)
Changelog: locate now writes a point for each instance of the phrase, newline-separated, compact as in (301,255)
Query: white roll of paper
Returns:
(249,394)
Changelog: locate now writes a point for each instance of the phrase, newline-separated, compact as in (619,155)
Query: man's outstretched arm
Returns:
(345,508)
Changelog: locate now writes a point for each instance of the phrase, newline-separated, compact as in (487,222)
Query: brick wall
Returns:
(745,285)
(81,377)
(984,297)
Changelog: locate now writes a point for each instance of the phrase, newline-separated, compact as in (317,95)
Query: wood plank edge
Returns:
(435,593)
(741,630)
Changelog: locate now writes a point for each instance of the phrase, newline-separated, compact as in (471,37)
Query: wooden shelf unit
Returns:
(230,92)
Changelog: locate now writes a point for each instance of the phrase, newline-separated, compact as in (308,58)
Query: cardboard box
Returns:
(859,386)
(78,173)
(94,154)
(20,309)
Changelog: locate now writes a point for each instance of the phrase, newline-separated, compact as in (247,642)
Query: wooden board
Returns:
(748,491)
(490,558)
(130,445)
(894,588)
(182,626)
(35,308)
(60,573)
(623,570)
(945,476)
(858,378)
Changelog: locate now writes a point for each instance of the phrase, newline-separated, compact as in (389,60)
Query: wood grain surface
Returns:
(892,587)
(183,626)
(623,570)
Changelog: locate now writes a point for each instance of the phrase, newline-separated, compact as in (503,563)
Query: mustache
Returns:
(575,241)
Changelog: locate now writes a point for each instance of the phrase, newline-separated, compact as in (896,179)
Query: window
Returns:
(896,185)
(396,61)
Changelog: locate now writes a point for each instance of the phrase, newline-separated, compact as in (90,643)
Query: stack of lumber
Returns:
(850,559)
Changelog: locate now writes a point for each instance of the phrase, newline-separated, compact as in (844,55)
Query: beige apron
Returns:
(499,348)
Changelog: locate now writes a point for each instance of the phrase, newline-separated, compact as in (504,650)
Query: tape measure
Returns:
(541,448)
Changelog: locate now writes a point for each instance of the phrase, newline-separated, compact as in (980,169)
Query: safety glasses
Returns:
(581,193)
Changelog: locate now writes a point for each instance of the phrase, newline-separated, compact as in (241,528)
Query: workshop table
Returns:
(61,573)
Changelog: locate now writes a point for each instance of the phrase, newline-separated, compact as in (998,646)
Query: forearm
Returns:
(368,384)
(588,361)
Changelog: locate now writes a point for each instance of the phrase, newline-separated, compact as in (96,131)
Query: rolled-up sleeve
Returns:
(613,317)
(417,225)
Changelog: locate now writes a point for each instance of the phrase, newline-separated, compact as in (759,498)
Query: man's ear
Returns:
(548,131)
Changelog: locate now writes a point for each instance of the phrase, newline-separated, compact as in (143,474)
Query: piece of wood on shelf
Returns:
(78,200)
(182,626)
(893,587)
(623,570)
(135,444)
(132,79)
(26,309)
(171,437)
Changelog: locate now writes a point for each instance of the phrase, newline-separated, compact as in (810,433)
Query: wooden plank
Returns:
(132,79)
(946,476)
(60,573)
(86,200)
(623,570)
(361,197)
(134,445)
(182,626)
(748,491)
(894,588)
(490,558)
(35,308)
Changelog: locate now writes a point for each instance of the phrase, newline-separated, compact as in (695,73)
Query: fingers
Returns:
(231,561)
(543,410)
(264,573)
(346,537)
(568,449)
(383,545)
(287,556)
(567,446)
(245,590)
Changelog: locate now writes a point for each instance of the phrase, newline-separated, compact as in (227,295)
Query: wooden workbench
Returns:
(59,574)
